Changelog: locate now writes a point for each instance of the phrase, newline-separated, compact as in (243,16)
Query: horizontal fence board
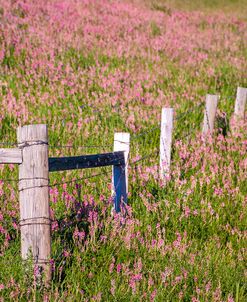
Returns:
(86,161)
(10,156)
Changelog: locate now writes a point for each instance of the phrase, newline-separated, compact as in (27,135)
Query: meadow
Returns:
(88,69)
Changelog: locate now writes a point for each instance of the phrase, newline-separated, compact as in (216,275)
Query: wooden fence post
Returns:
(209,114)
(239,110)
(34,197)
(166,142)
(120,172)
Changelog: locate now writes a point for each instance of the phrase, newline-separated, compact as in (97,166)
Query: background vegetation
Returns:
(92,68)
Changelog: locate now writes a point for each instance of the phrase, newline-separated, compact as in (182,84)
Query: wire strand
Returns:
(79,179)
(8,144)
(81,147)
(182,115)
(144,158)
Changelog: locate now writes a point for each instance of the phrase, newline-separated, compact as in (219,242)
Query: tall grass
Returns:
(89,69)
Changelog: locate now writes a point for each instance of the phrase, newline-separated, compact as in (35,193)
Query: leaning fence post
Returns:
(209,114)
(166,142)
(239,110)
(34,197)
(120,172)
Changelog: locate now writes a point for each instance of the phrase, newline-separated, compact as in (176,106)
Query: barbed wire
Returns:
(227,97)
(133,137)
(9,180)
(81,147)
(54,184)
(80,179)
(104,146)
(12,144)
(143,133)
(59,146)
(184,114)
(17,257)
(99,174)
(128,163)
(188,134)
(144,158)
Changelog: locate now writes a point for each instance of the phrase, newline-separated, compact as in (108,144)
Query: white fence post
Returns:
(34,196)
(239,110)
(166,142)
(209,114)
(120,173)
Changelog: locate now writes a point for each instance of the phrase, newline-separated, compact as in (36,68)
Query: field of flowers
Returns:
(91,68)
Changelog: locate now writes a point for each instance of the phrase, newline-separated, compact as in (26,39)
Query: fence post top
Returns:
(241,93)
(122,136)
(32,133)
(33,126)
(166,114)
(122,133)
(242,88)
(208,95)
(167,108)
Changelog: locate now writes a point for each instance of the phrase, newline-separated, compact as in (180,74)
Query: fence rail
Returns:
(10,156)
(31,153)
(86,161)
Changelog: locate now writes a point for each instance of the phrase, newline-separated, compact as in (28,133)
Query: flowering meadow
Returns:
(88,69)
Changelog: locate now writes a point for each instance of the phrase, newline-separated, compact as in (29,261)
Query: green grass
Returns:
(184,240)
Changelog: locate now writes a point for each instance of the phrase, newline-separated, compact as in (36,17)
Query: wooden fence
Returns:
(35,165)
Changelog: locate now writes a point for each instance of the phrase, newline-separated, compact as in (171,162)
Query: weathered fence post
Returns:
(239,110)
(120,172)
(34,197)
(209,114)
(166,142)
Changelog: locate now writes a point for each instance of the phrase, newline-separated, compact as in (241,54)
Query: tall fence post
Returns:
(34,197)
(209,114)
(239,110)
(120,172)
(166,142)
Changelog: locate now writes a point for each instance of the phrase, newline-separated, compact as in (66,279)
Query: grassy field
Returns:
(231,7)
(91,68)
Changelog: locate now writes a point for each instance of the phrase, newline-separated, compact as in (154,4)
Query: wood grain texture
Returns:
(34,196)
(120,172)
(166,142)
(239,110)
(10,156)
(86,161)
(210,114)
